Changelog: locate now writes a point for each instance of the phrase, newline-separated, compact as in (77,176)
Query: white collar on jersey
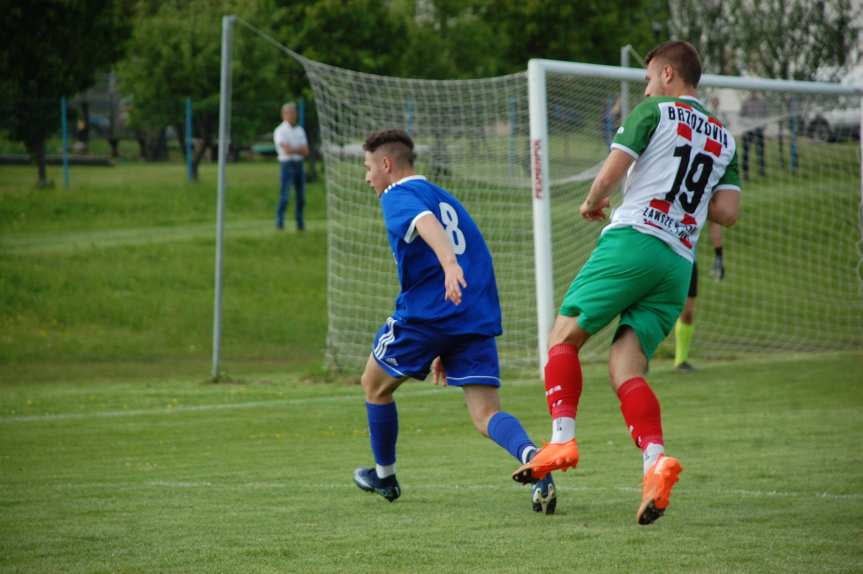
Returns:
(404,180)
(693,98)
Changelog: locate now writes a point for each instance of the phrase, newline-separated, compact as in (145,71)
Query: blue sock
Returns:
(505,430)
(384,430)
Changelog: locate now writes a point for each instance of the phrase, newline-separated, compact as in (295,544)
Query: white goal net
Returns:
(793,261)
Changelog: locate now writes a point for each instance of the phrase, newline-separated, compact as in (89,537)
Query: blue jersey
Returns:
(421,277)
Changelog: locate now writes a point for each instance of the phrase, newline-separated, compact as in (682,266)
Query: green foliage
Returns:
(355,34)
(51,49)
(453,42)
(790,39)
(804,37)
(590,31)
(175,50)
(446,39)
(175,54)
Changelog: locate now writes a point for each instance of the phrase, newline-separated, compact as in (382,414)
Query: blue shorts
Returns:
(407,350)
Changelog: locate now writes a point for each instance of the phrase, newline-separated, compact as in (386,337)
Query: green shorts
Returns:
(636,276)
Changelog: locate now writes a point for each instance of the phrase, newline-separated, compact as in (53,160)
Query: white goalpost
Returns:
(520,151)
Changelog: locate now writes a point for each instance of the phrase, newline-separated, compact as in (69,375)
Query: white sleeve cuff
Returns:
(623,148)
(412,228)
(730,186)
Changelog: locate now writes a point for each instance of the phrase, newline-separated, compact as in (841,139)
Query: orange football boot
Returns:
(552,456)
(656,488)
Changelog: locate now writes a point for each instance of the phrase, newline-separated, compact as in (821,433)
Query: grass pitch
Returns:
(174,475)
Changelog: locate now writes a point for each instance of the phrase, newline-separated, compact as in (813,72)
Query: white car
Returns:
(835,125)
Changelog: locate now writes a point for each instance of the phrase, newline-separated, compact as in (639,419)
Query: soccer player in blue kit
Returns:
(446,318)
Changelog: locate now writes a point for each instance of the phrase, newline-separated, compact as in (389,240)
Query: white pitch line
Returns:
(403,393)
(419,487)
(197,408)
(60,243)
(346,485)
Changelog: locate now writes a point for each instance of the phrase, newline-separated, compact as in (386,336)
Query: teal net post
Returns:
(409,117)
(513,133)
(190,165)
(64,126)
(794,127)
(301,112)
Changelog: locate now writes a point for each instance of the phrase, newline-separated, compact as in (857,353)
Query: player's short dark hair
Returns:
(682,56)
(396,144)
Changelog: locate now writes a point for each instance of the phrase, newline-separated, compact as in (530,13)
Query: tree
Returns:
(53,48)
(175,54)
(450,40)
(709,26)
(798,39)
(788,39)
(355,34)
(587,31)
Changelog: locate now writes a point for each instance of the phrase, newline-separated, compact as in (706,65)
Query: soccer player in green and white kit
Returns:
(683,172)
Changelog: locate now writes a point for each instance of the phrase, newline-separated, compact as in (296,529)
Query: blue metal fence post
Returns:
(65,129)
(409,112)
(190,166)
(301,112)
(513,131)
(794,128)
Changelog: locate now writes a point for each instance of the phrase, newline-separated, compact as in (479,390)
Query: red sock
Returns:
(563,380)
(640,410)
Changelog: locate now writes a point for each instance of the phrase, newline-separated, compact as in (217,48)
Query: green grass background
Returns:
(119,270)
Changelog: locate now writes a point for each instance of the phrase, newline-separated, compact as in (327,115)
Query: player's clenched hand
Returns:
(453,282)
(439,372)
(593,211)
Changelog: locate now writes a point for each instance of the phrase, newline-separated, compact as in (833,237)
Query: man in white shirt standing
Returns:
(292,147)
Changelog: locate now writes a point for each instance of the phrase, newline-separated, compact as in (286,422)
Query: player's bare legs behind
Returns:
(567,330)
(625,360)
(378,387)
(482,402)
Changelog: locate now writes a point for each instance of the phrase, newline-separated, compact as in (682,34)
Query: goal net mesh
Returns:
(793,261)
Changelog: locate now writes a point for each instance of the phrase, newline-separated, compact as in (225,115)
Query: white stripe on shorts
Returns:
(386,339)
(474,377)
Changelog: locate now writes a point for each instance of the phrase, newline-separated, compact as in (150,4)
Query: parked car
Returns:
(839,120)
(835,125)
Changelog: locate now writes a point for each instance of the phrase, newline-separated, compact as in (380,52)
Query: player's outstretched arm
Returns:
(606,181)
(432,232)
(724,206)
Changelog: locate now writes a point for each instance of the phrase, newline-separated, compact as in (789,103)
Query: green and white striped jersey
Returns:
(682,155)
